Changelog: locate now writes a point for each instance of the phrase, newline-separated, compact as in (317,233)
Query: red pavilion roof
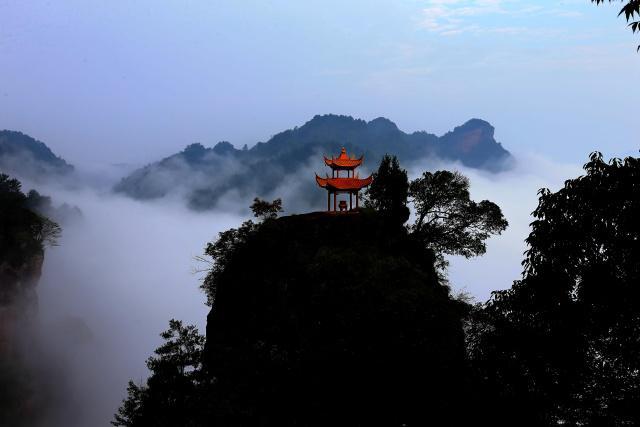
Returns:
(343,161)
(344,184)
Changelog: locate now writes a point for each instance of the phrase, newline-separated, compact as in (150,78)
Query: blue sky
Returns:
(130,81)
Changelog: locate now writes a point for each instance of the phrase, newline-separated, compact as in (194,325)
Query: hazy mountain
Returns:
(27,157)
(206,174)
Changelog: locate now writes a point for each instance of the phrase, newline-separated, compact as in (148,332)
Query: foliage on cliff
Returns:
(171,396)
(23,232)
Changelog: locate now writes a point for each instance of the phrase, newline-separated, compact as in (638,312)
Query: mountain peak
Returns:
(29,158)
(476,124)
(194,152)
(382,124)
(224,147)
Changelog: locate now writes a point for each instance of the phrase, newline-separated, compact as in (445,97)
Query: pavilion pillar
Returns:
(334,201)
(357,197)
(350,201)
(328,201)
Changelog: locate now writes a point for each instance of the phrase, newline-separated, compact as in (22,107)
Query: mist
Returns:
(109,289)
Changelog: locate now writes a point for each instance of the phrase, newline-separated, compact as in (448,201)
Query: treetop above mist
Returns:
(205,175)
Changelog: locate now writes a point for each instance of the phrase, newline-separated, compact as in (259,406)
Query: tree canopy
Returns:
(169,397)
(562,345)
(266,210)
(388,192)
(23,232)
(447,220)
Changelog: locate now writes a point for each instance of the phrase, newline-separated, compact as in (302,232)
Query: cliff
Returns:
(325,319)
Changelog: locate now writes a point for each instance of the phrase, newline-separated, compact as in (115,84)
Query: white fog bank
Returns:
(110,288)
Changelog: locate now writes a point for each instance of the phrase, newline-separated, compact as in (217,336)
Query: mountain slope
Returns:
(205,175)
(27,157)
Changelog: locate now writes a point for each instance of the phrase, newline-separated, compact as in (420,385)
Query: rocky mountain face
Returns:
(26,157)
(206,175)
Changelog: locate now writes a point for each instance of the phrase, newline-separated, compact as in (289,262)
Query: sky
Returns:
(132,81)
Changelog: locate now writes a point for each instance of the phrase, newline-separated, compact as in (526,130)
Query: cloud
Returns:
(447,17)
(109,289)
(452,17)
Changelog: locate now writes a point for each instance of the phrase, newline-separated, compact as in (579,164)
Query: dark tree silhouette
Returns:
(447,220)
(562,345)
(22,231)
(171,394)
(631,11)
(266,210)
(221,252)
(388,192)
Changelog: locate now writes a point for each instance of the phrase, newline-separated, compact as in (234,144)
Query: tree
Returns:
(23,232)
(266,210)
(447,220)
(562,344)
(172,390)
(221,253)
(388,192)
(225,247)
(630,10)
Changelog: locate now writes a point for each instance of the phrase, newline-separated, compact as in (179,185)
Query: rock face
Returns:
(205,175)
(19,402)
(333,319)
(18,296)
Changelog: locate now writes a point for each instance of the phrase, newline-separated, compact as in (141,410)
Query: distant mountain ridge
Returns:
(206,174)
(27,157)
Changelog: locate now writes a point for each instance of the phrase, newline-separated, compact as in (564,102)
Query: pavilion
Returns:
(351,184)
